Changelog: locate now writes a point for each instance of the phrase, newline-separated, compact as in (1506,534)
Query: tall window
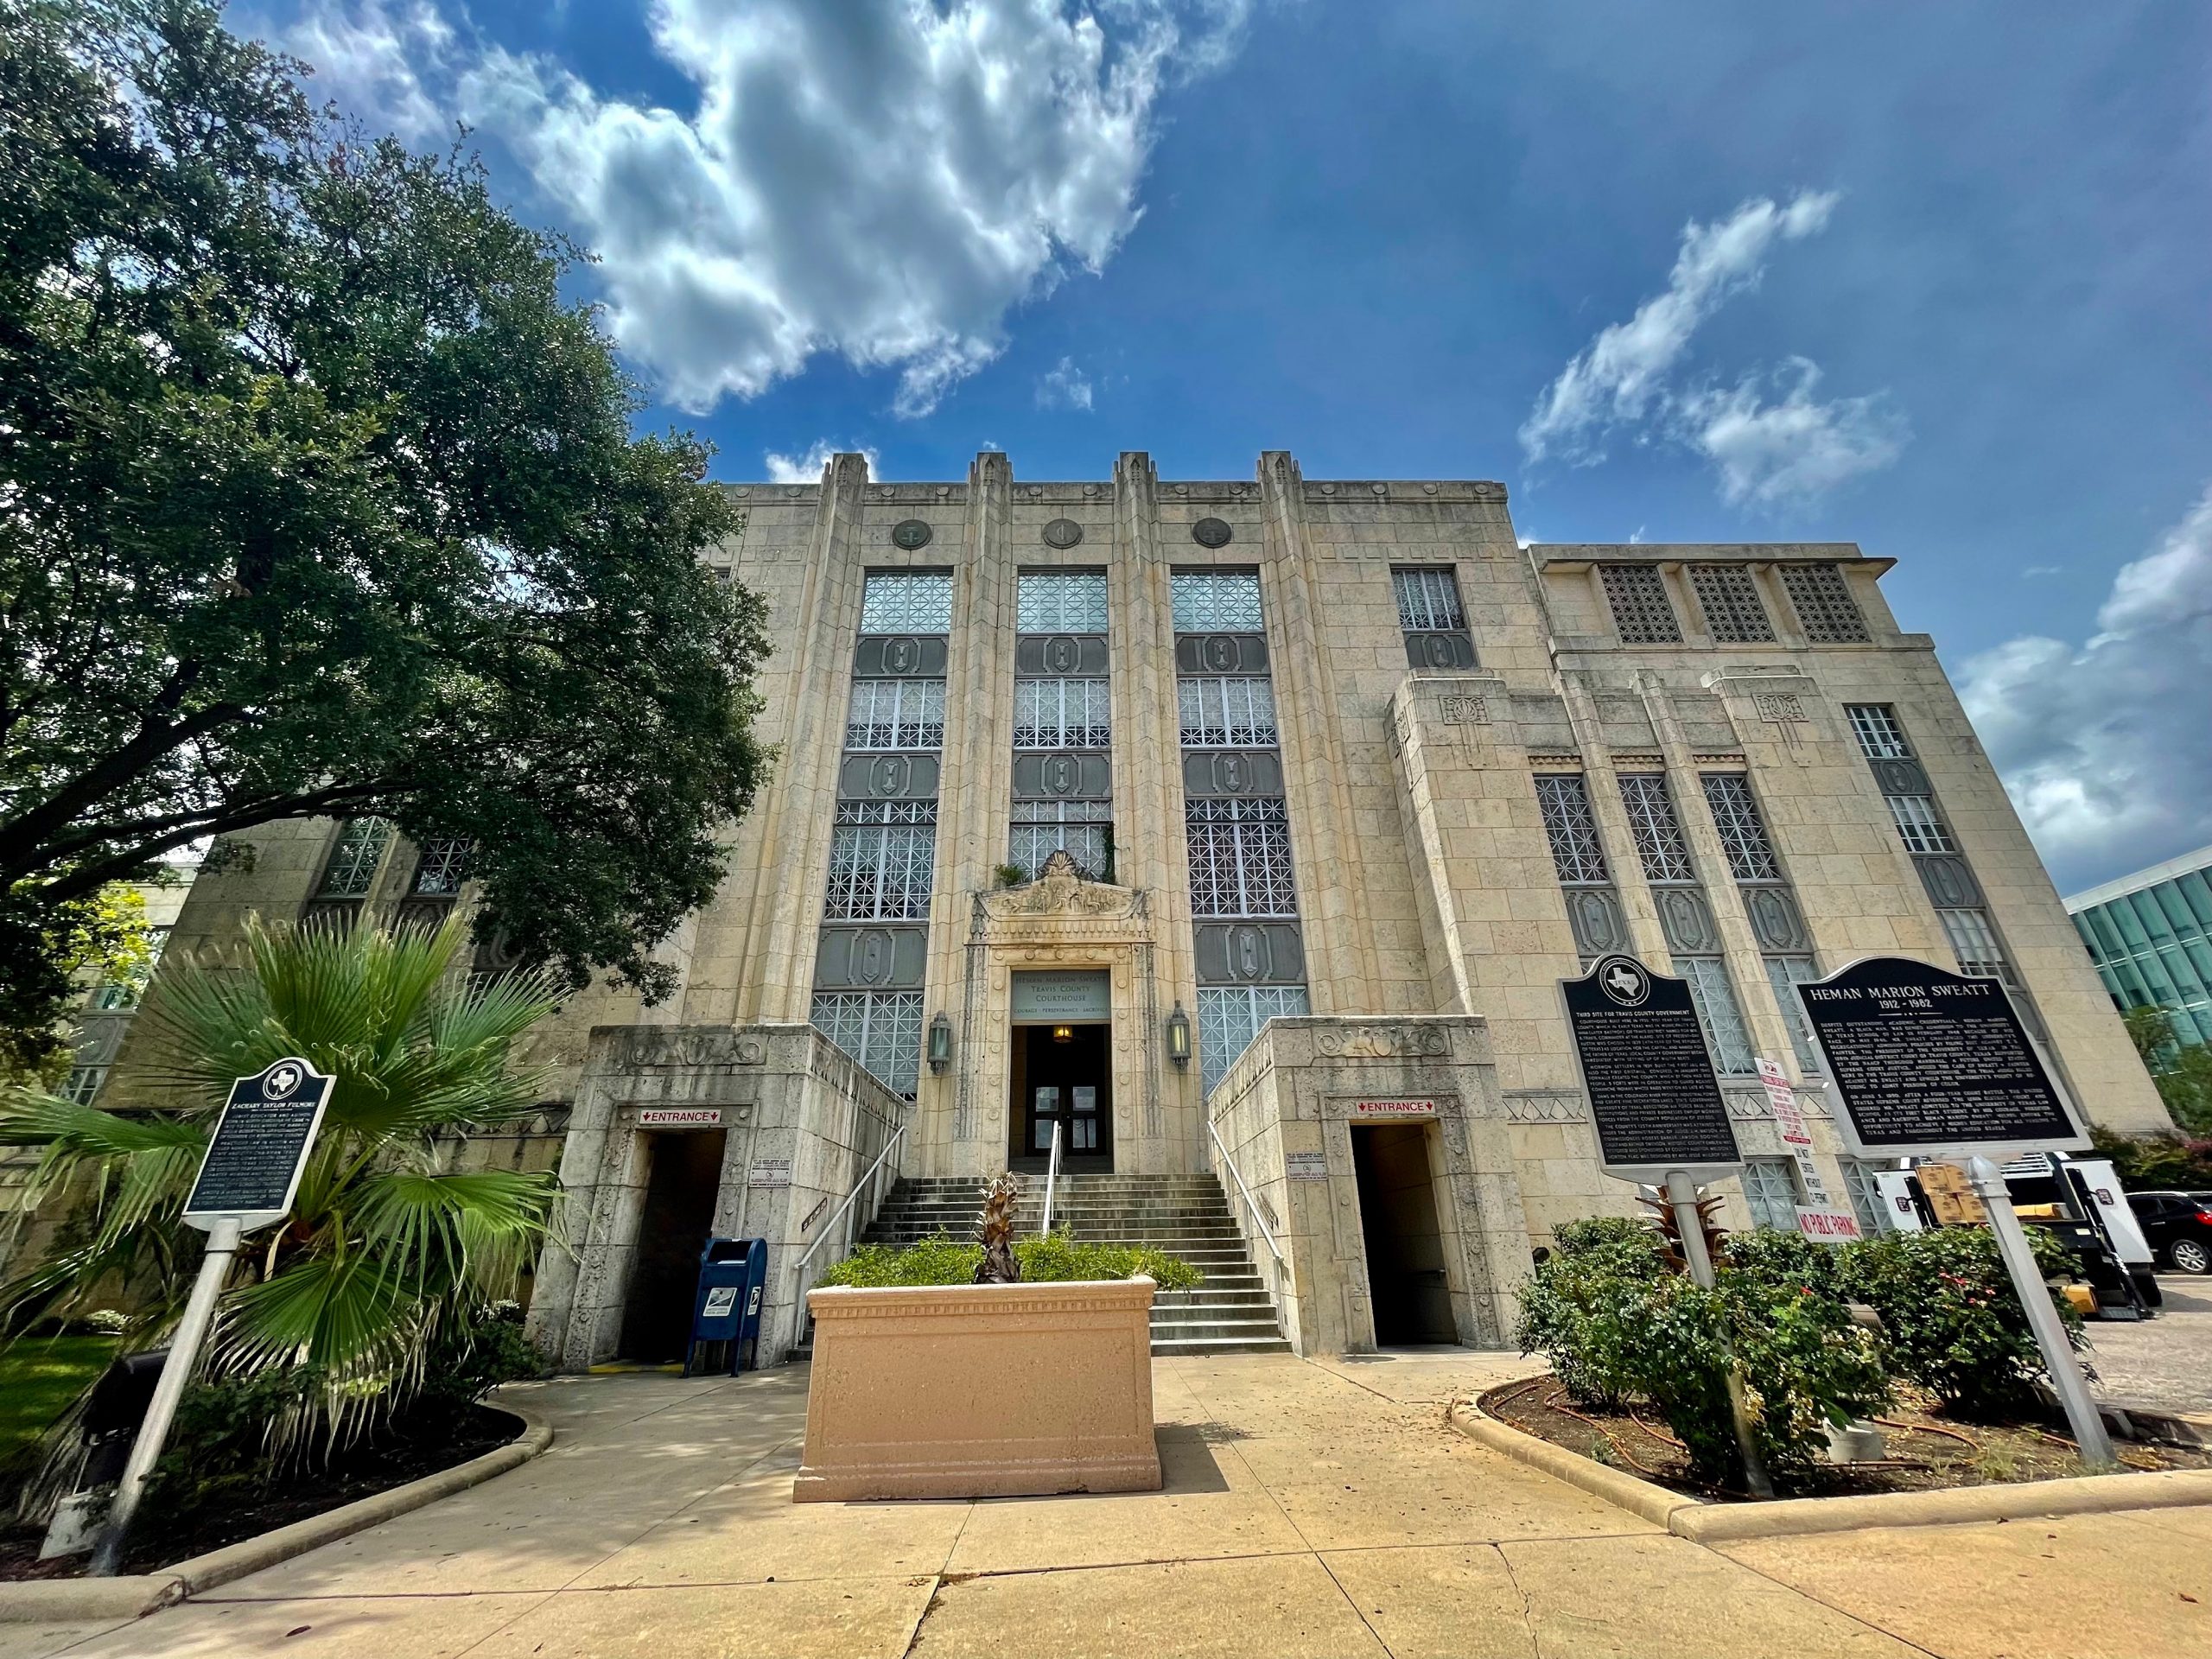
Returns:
(881,1029)
(1577,853)
(1743,834)
(1821,597)
(1770,1191)
(1919,826)
(1729,596)
(1227,713)
(351,869)
(1660,847)
(1719,1014)
(881,859)
(1429,616)
(1643,614)
(1240,858)
(1063,724)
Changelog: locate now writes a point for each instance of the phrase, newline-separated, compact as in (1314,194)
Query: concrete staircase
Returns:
(1186,1216)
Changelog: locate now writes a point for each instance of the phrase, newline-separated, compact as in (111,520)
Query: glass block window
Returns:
(1730,599)
(1770,1191)
(1660,846)
(1428,601)
(1229,1017)
(1577,853)
(881,1029)
(1083,828)
(1721,1014)
(881,857)
(896,714)
(906,601)
(1060,602)
(1823,603)
(1643,614)
(1866,1200)
(1062,715)
(1880,737)
(1216,601)
(1240,858)
(1784,972)
(1743,832)
(440,869)
(1974,941)
(353,861)
(1227,713)
(1918,824)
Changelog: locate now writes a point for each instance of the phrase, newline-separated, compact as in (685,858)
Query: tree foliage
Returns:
(317,499)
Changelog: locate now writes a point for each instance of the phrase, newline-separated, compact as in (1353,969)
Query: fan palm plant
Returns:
(386,1250)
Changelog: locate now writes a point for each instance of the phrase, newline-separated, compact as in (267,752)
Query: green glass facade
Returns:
(2152,942)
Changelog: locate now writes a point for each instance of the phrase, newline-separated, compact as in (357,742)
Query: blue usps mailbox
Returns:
(732,1284)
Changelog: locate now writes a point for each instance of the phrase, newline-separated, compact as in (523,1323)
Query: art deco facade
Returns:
(1342,756)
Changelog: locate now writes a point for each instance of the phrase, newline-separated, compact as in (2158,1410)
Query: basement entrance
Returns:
(683,1175)
(1406,1279)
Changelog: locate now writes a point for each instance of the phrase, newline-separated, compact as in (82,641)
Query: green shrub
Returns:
(1950,1320)
(469,1358)
(231,1437)
(1057,1258)
(1578,1307)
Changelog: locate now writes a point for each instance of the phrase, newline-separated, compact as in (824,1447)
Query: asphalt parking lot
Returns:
(2162,1362)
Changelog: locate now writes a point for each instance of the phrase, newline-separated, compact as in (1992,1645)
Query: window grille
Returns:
(1730,599)
(1880,737)
(881,1029)
(1083,828)
(440,869)
(83,1082)
(1227,713)
(882,858)
(353,866)
(1577,853)
(1643,614)
(906,601)
(1823,603)
(1719,1014)
(1743,832)
(896,714)
(1229,1017)
(1660,846)
(1771,1190)
(1918,824)
(1866,1200)
(1060,602)
(1782,973)
(1216,601)
(1974,940)
(1428,601)
(1062,715)
(1240,858)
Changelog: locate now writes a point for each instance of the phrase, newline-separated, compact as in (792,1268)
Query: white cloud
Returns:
(2103,745)
(1064,387)
(807,469)
(1765,453)
(1769,452)
(882,180)
(371,59)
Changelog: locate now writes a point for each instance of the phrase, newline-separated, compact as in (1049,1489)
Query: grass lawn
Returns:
(39,1377)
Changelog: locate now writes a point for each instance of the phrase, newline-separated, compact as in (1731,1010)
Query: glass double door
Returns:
(1062,1076)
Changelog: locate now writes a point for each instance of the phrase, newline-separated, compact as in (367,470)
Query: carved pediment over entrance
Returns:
(1060,894)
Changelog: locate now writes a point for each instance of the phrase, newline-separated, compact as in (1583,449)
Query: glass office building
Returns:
(2150,935)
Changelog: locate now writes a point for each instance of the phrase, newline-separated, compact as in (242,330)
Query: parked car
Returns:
(2178,1226)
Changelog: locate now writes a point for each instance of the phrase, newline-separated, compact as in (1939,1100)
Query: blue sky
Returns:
(1935,279)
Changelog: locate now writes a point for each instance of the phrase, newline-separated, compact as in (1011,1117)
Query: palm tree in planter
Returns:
(387,1254)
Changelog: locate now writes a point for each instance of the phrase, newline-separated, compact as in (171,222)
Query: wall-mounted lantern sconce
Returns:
(1178,1036)
(940,1042)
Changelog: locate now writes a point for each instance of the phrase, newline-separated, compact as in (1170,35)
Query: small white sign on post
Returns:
(1796,1135)
(1829,1226)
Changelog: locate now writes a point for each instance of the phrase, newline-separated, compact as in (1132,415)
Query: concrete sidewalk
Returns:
(1320,1508)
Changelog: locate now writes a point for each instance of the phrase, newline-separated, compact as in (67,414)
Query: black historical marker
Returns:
(260,1145)
(1927,1060)
(1653,1095)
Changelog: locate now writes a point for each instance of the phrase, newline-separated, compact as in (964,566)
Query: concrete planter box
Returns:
(980,1391)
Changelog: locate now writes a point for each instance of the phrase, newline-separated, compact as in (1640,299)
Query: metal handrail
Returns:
(1051,1175)
(846,1213)
(1245,1193)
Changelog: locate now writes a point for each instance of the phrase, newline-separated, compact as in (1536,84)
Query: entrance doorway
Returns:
(1063,1074)
(683,1175)
(1406,1279)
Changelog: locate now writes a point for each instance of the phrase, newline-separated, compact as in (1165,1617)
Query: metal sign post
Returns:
(1929,1064)
(248,1179)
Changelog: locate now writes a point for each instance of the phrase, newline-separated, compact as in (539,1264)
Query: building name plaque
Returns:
(1653,1095)
(771,1172)
(1305,1165)
(1062,995)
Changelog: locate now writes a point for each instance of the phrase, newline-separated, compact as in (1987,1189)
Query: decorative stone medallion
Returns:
(1210,532)
(1062,532)
(910,533)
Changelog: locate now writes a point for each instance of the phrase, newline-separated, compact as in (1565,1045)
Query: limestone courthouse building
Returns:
(1242,830)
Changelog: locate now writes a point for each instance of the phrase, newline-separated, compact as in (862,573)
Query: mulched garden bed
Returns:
(1926,1451)
(392,1460)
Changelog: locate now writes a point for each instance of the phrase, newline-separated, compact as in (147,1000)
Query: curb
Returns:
(57,1601)
(1701,1522)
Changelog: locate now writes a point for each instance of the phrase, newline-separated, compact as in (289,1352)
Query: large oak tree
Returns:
(318,498)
